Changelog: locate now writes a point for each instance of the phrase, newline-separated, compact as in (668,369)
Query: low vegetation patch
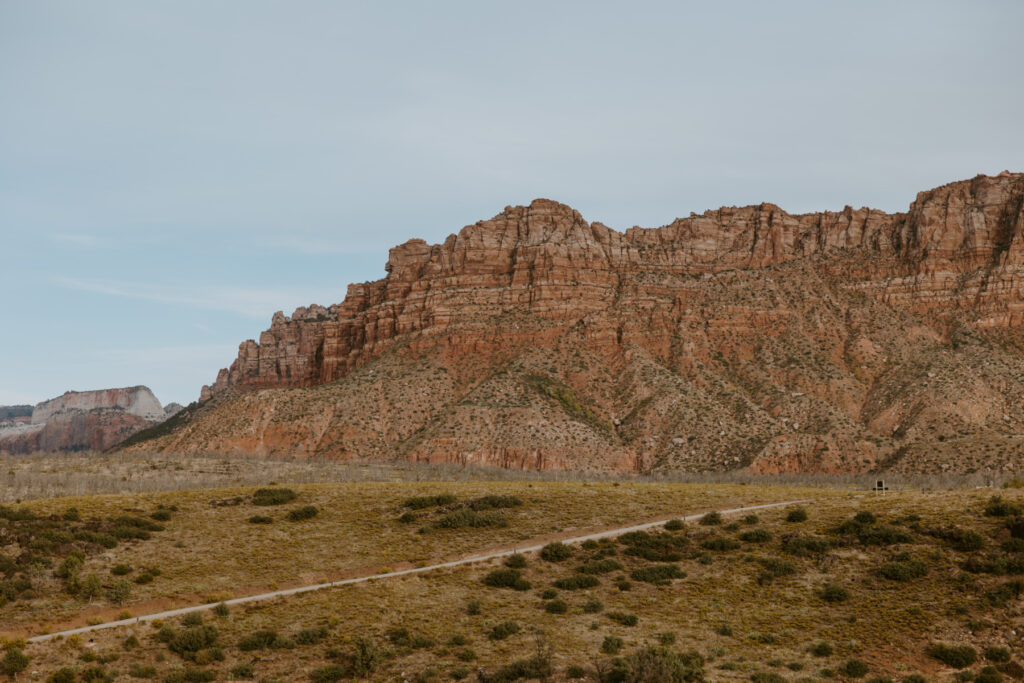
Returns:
(273,496)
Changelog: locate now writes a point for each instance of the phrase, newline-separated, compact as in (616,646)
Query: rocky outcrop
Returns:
(84,420)
(744,336)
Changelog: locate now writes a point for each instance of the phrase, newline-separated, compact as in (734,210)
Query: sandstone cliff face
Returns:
(84,420)
(742,337)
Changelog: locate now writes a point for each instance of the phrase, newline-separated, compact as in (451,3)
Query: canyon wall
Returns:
(741,337)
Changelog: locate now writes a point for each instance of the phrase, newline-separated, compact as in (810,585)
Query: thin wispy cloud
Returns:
(75,239)
(256,303)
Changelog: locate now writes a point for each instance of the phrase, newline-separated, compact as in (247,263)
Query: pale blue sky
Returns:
(171,173)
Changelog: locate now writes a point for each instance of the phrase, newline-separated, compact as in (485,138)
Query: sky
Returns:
(173,172)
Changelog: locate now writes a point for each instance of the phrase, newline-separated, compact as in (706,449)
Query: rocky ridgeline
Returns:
(742,337)
(83,420)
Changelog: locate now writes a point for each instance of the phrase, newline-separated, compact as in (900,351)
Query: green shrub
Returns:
(507,578)
(624,618)
(193,639)
(13,662)
(796,515)
(756,536)
(711,519)
(650,664)
(328,674)
(516,561)
(767,677)
(835,593)
(272,496)
(611,645)
(822,649)
(260,519)
(999,655)
(63,675)
(503,630)
(494,502)
(120,570)
(262,640)
(574,671)
(555,552)
(95,674)
(577,581)
(144,577)
(221,610)
(997,507)
(1000,596)
(192,619)
(422,502)
(956,656)
(724,629)
(658,574)
(599,566)
(549,594)
(556,607)
(120,591)
(473,607)
(720,543)
(161,515)
(855,668)
(962,540)
(774,567)
(242,671)
(988,674)
(467,655)
(675,525)
(805,546)
(592,606)
(903,570)
(190,675)
(309,636)
(465,518)
(302,513)
(407,517)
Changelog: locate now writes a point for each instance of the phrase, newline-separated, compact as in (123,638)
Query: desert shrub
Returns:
(675,525)
(556,607)
(120,570)
(242,671)
(467,655)
(516,561)
(407,517)
(507,578)
(144,577)
(309,636)
(649,664)
(473,607)
(555,552)
(855,668)
(1000,596)
(161,515)
(190,675)
(494,502)
(611,645)
(756,536)
(328,674)
(303,513)
(903,569)
(624,618)
(822,649)
(997,507)
(13,662)
(599,566)
(503,630)
(422,502)
(221,609)
(549,594)
(272,496)
(999,655)
(623,585)
(658,574)
(956,656)
(774,567)
(659,547)
(536,667)
(962,540)
(420,641)
(880,534)
(400,637)
(260,519)
(263,639)
(711,519)
(62,675)
(592,606)
(767,677)
(576,582)
(835,593)
(90,587)
(574,671)
(724,629)
(192,619)
(1016,526)
(720,543)
(1013,545)
(999,565)
(189,641)
(95,674)
(796,515)
(120,591)
(988,674)
(465,518)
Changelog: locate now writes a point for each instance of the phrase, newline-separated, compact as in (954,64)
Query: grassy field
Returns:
(765,597)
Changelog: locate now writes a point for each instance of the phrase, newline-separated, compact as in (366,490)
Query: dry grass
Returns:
(773,624)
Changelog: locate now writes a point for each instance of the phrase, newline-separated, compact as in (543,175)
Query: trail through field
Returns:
(527,546)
